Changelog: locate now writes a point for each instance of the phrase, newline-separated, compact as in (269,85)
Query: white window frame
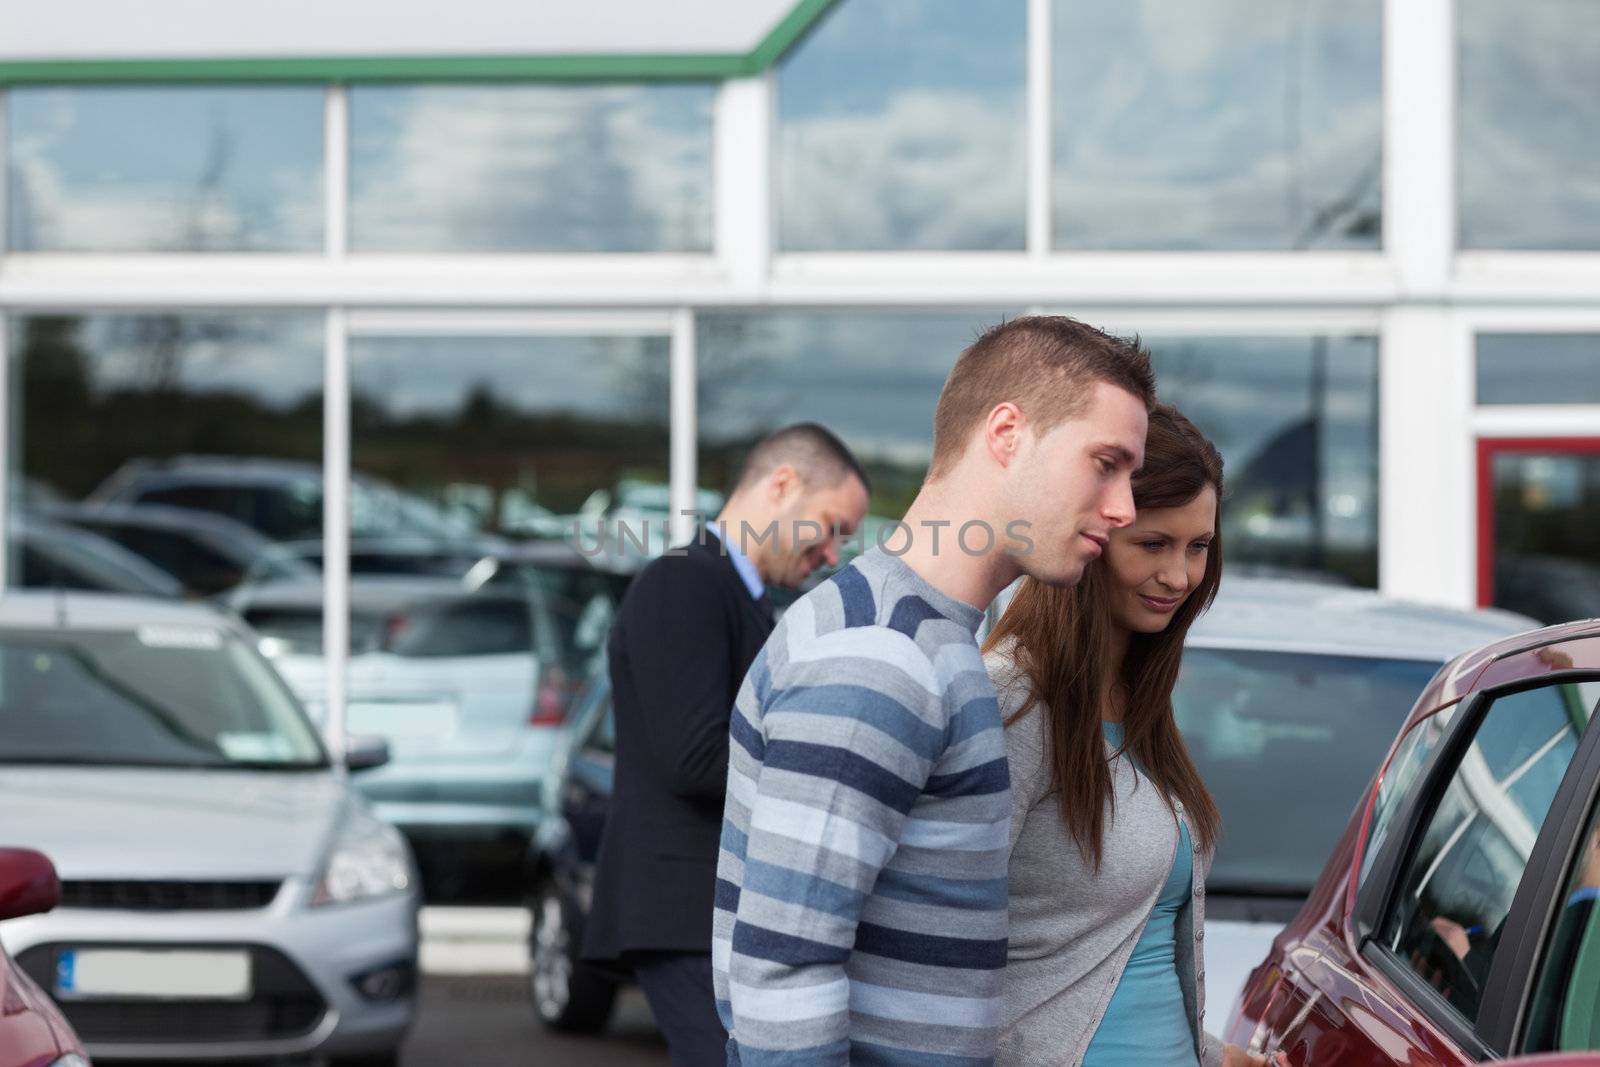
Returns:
(1423,297)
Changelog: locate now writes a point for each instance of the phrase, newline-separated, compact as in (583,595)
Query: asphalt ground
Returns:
(471,1020)
(475,1009)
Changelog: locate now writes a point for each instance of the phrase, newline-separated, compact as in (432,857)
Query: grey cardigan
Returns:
(1073,928)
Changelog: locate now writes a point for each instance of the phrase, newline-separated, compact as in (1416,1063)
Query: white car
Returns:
(226,894)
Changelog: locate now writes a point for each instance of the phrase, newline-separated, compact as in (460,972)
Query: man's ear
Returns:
(1002,432)
(783,483)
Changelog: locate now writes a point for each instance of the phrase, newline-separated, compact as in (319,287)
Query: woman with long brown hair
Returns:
(1112,830)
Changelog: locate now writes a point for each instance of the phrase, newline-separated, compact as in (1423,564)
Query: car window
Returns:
(299,630)
(1457,884)
(1405,770)
(1305,730)
(196,565)
(464,628)
(603,738)
(289,514)
(1564,1014)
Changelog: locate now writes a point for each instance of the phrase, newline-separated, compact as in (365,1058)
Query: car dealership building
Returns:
(511,258)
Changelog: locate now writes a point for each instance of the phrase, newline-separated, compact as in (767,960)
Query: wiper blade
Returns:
(77,759)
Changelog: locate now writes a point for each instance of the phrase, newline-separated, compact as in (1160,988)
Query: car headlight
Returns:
(369,859)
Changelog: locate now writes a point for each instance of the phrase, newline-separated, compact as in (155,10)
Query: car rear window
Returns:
(1287,743)
(299,630)
(470,627)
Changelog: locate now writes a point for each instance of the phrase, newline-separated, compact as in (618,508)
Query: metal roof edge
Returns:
(572,67)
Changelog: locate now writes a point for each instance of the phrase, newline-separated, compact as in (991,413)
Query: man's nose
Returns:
(1119,510)
(830,552)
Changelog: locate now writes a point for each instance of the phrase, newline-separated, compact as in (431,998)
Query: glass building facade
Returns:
(518,302)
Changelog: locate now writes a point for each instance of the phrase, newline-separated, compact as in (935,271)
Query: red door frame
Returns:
(1488,448)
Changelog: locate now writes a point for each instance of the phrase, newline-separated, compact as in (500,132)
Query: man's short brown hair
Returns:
(815,453)
(1044,364)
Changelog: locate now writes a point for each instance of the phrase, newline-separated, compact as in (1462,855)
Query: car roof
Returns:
(29,609)
(1293,615)
(164,517)
(1564,647)
(367,592)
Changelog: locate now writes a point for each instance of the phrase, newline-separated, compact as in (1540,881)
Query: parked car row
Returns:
(1291,692)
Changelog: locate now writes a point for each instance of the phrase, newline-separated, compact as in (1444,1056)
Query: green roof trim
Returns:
(777,42)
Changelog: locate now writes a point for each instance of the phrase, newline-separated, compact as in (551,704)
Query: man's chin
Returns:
(1063,574)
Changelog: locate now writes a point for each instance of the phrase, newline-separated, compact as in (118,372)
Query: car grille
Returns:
(285,1005)
(167,896)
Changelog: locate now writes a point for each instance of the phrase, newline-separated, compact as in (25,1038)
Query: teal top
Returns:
(1146,1022)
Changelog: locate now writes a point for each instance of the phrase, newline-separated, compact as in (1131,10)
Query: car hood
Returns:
(161,824)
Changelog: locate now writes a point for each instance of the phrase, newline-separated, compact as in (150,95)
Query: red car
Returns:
(32,1031)
(1456,921)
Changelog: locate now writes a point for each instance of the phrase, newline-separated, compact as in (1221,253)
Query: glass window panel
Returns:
(169,169)
(1217,124)
(1539,368)
(134,416)
(1296,421)
(531,168)
(515,435)
(901,125)
(1529,124)
(1546,532)
(1457,885)
(873,378)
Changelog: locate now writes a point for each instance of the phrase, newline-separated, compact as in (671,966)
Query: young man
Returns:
(685,634)
(861,886)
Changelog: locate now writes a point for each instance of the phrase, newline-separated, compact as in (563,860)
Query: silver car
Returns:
(226,893)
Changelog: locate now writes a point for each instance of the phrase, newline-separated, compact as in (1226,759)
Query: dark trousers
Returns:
(678,987)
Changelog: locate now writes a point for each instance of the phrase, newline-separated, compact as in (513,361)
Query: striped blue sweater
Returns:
(861,886)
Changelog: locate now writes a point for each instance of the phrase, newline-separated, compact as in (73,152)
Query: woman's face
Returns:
(1154,564)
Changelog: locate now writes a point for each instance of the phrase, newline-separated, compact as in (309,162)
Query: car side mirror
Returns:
(28,883)
(365,753)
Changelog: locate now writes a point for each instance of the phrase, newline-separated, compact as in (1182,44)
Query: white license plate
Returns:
(385,718)
(155,974)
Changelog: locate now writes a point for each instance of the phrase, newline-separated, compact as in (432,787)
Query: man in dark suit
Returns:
(685,635)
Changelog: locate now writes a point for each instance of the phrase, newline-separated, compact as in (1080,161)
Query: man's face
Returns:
(1073,485)
(812,523)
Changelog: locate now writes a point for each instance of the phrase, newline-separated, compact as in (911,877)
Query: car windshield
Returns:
(169,696)
(1287,742)
(298,630)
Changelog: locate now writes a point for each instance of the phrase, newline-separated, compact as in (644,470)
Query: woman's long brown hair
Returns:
(1063,652)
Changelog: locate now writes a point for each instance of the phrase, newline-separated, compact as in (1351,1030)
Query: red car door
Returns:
(1419,945)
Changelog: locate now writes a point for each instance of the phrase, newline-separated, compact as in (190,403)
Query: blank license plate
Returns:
(153,974)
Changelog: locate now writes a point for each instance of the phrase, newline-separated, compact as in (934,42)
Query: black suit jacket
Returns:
(685,635)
